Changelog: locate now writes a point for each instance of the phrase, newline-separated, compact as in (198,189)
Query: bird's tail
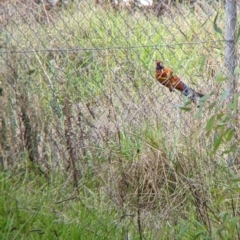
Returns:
(192,95)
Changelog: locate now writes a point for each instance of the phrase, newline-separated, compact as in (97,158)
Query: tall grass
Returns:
(93,148)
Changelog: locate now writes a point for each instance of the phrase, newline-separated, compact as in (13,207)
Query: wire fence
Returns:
(79,76)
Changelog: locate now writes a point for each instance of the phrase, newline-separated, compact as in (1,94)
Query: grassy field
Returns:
(92,147)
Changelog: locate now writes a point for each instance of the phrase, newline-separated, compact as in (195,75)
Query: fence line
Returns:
(109,48)
(107,85)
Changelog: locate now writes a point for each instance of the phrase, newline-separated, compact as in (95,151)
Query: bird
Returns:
(165,76)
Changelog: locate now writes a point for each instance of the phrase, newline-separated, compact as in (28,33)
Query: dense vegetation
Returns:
(92,147)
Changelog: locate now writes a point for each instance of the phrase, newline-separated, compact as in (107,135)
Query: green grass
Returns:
(33,209)
(144,167)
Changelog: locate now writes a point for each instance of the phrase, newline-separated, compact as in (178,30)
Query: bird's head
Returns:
(159,65)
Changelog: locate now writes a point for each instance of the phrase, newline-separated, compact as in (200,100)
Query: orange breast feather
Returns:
(165,77)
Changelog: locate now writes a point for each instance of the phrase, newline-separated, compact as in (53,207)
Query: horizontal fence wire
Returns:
(110,48)
(77,76)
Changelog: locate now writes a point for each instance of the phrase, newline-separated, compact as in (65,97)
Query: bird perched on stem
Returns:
(165,76)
